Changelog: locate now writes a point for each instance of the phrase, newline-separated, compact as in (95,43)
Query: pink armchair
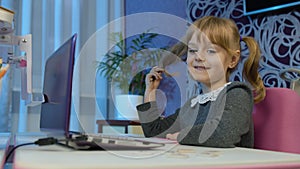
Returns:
(277,121)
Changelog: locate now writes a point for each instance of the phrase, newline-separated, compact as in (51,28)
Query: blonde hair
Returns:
(224,32)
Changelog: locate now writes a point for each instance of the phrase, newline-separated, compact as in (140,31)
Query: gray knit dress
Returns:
(223,122)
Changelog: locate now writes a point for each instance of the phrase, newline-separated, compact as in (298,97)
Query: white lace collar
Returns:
(210,96)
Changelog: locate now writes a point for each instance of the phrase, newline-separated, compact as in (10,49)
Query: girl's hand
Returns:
(153,79)
(172,136)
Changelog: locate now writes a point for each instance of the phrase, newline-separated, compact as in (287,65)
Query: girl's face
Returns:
(207,62)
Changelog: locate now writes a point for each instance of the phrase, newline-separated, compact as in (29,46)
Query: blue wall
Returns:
(172,87)
(174,7)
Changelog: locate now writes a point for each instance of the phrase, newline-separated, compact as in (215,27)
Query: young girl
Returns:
(221,116)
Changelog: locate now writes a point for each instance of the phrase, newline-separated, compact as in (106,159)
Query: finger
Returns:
(156,76)
(157,69)
(151,77)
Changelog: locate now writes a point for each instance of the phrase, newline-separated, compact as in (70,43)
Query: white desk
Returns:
(170,156)
(4,143)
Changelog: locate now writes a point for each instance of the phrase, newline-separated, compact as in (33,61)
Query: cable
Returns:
(14,148)
(46,141)
(40,142)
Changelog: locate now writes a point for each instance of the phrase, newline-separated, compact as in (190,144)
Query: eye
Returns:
(211,51)
(192,50)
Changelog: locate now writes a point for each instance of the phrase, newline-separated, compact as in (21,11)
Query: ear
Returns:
(235,59)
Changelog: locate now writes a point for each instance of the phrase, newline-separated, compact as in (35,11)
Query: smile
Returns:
(201,68)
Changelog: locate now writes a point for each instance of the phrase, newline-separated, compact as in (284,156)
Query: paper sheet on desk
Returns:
(143,138)
(157,140)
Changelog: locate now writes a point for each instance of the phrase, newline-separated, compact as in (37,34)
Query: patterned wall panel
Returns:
(278,34)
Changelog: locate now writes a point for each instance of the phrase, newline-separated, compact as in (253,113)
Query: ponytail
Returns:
(250,70)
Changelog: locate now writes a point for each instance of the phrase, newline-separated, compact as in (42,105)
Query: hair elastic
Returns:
(241,38)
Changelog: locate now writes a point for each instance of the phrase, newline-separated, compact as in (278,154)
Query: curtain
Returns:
(51,23)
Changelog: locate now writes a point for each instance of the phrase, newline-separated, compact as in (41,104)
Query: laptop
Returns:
(56,108)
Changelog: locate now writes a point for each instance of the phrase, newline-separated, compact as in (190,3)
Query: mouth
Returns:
(200,68)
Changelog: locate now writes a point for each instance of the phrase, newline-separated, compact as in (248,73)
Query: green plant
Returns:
(128,59)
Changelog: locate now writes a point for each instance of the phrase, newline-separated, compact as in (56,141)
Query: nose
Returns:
(199,57)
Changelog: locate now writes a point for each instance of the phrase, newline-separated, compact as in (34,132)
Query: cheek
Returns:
(221,66)
(189,60)
(216,61)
